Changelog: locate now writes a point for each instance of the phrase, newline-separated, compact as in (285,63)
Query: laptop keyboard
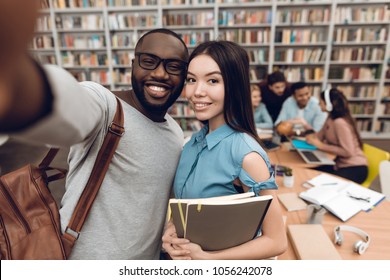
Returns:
(269,145)
(310,156)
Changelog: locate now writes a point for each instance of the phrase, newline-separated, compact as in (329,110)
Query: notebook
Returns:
(342,198)
(291,201)
(217,224)
(310,242)
(310,154)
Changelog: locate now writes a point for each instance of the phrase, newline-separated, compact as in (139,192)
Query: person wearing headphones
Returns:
(339,136)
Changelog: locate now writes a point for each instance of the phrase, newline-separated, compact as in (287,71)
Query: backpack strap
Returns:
(106,152)
(48,158)
(44,165)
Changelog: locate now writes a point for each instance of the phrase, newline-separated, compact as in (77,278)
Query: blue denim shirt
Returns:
(312,113)
(211,162)
(262,117)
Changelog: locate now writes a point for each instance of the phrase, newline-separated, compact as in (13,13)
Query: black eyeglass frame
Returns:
(165,61)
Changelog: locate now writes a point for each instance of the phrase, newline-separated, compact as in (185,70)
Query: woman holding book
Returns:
(225,157)
(339,136)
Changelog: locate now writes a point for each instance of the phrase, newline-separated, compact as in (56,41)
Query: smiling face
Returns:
(302,96)
(256,98)
(157,90)
(205,90)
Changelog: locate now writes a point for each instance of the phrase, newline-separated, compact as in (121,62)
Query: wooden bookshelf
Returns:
(341,43)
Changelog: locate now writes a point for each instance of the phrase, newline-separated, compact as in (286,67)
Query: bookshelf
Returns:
(340,43)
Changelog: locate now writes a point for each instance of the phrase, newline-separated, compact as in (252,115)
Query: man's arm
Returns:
(43,105)
(22,87)
(25,96)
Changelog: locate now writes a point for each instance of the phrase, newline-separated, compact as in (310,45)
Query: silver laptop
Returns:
(313,156)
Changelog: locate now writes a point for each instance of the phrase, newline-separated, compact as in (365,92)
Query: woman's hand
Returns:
(176,247)
(197,253)
(313,140)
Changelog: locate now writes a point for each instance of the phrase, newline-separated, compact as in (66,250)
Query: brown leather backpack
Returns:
(30,225)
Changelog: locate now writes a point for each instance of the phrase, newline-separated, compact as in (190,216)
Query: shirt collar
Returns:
(307,107)
(214,137)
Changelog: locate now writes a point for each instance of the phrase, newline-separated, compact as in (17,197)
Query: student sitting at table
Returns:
(261,115)
(274,91)
(339,136)
(301,110)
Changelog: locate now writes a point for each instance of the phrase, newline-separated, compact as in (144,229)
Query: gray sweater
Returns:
(128,215)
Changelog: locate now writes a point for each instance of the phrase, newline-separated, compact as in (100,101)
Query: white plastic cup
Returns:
(288,181)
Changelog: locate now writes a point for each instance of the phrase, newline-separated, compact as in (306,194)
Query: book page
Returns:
(343,207)
(319,195)
(365,197)
(327,180)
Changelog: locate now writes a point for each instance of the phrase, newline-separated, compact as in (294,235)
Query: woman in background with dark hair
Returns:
(339,136)
(225,155)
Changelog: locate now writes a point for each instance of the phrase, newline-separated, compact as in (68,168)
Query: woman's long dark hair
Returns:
(233,62)
(341,110)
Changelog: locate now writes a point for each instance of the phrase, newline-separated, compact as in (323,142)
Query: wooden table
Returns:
(376,222)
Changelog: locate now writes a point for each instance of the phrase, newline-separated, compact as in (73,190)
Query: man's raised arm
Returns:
(24,94)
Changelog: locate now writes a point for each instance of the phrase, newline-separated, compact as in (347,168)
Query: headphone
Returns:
(329,106)
(360,246)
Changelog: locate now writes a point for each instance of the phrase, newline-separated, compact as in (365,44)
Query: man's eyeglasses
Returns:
(149,61)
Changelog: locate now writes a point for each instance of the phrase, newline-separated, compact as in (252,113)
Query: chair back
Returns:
(374,156)
(384,176)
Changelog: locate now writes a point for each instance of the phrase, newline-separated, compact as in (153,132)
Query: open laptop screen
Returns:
(310,154)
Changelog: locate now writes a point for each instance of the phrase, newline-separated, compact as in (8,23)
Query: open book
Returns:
(342,198)
(219,222)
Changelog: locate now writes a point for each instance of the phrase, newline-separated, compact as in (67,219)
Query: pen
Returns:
(307,185)
(366,199)
(328,184)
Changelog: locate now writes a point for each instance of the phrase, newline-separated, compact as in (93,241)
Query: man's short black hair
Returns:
(276,77)
(161,30)
(298,85)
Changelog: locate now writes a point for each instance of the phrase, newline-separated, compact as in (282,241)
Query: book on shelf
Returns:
(342,198)
(218,223)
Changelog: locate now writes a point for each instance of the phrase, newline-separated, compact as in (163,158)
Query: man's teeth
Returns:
(156,88)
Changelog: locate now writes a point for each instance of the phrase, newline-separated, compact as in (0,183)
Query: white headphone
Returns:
(360,246)
(329,106)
